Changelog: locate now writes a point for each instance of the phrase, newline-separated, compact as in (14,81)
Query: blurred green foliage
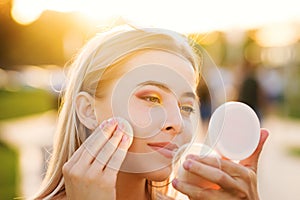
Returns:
(294,151)
(292,88)
(294,110)
(8,172)
(14,104)
(25,102)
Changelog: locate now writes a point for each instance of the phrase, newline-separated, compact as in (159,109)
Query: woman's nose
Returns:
(174,122)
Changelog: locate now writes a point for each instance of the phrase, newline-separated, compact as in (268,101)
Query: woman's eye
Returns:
(187,109)
(152,99)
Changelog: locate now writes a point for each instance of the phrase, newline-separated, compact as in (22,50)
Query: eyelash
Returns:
(152,99)
(156,100)
(187,109)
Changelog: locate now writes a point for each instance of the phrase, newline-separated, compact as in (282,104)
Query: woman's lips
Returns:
(166,149)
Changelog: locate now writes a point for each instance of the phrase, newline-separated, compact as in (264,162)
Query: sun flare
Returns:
(184,16)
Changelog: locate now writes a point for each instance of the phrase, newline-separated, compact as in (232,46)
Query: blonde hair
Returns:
(101,52)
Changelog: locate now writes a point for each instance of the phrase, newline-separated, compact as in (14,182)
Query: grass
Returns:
(294,111)
(19,103)
(294,151)
(8,172)
(25,102)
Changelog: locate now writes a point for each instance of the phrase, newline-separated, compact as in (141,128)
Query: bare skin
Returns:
(236,181)
(88,178)
(85,177)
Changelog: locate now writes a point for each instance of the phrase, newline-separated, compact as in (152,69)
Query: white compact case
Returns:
(234,130)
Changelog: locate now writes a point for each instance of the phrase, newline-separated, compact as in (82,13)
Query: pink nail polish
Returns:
(125,138)
(191,156)
(121,127)
(103,124)
(175,182)
(111,121)
(187,164)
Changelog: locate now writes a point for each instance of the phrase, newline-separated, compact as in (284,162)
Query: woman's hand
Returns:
(91,172)
(236,181)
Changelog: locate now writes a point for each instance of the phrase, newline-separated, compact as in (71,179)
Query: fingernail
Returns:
(191,156)
(175,182)
(187,164)
(103,124)
(121,127)
(125,138)
(118,132)
(112,121)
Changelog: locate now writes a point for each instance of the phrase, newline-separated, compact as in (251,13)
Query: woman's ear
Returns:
(85,110)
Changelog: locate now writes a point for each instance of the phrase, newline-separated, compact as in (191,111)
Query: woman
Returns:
(149,78)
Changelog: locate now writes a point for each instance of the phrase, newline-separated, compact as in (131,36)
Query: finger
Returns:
(97,140)
(197,193)
(193,192)
(107,151)
(211,174)
(73,160)
(231,168)
(252,161)
(83,156)
(118,157)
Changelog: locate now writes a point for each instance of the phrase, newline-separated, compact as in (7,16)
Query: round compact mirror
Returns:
(234,130)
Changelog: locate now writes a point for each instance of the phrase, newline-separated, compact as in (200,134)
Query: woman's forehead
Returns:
(174,62)
(158,75)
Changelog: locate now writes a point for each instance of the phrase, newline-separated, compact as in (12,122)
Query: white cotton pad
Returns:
(125,126)
(234,130)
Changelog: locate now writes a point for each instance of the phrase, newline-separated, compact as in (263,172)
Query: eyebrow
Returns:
(166,88)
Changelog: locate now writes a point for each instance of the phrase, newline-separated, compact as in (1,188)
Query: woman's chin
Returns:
(159,175)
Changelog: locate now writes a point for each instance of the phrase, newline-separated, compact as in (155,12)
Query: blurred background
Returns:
(255,44)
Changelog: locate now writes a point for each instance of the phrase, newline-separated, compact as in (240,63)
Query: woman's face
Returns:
(156,94)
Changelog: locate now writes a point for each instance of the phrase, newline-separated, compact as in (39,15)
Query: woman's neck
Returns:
(130,186)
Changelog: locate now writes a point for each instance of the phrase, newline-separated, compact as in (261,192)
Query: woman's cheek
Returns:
(188,132)
(146,120)
(139,114)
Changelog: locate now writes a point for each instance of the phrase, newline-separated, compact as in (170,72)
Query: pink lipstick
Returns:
(166,149)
